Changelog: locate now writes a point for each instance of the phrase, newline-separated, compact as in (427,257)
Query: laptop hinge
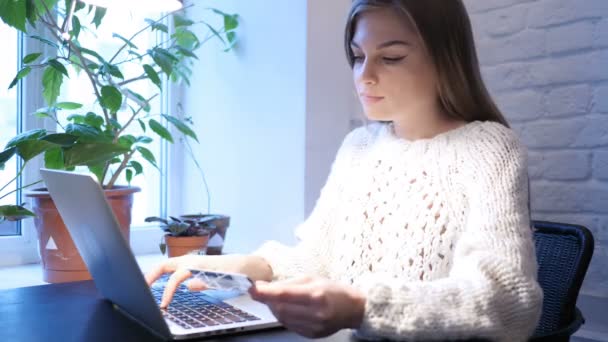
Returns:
(129,316)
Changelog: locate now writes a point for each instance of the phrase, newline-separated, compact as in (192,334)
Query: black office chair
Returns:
(563,252)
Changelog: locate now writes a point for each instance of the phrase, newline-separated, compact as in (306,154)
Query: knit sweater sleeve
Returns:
(491,291)
(309,255)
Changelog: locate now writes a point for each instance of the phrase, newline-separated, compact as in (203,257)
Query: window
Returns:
(9,118)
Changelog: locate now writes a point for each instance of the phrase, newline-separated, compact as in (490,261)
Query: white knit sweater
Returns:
(436,232)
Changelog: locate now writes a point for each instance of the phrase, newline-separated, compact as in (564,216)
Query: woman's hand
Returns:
(179,269)
(312,306)
(254,267)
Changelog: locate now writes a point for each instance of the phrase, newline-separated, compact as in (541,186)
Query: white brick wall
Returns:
(546,64)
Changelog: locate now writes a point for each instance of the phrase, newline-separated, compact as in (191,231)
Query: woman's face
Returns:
(392,71)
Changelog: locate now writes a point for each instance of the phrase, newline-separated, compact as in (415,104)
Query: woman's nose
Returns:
(366,73)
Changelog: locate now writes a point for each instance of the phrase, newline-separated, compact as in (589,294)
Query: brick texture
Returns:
(546,64)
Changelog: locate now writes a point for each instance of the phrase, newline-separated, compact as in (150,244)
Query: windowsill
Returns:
(31,274)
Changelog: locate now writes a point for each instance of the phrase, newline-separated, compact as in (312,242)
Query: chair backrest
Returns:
(563,252)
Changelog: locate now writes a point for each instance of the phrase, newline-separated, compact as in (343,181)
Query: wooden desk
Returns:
(76,312)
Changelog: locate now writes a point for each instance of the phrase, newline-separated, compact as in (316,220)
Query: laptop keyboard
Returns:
(197,310)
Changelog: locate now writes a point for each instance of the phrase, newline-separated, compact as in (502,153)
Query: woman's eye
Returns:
(358,58)
(393,59)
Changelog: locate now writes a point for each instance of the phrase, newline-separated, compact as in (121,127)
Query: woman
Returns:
(423,229)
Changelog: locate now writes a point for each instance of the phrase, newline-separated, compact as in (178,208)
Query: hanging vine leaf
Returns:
(181,126)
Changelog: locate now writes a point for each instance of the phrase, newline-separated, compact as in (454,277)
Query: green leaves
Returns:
(51,84)
(31,57)
(58,66)
(111,69)
(14,213)
(31,148)
(6,155)
(75,27)
(152,75)
(60,139)
(13,13)
(53,159)
(34,8)
(180,20)
(157,26)
(100,12)
(91,153)
(181,126)
(21,74)
(46,41)
(164,59)
(34,134)
(111,98)
(125,40)
(32,143)
(160,130)
(68,105)
(147,155)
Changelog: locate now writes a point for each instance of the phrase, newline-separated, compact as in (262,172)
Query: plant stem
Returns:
(200,169)
(142,77)
(68,17)
(133,117)
(123,165)
(142,30)
(23,187)
(73,47)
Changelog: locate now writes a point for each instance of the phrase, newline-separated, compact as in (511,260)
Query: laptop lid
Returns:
(88,217)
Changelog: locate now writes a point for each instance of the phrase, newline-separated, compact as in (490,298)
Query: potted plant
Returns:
(185,235)
(102,139)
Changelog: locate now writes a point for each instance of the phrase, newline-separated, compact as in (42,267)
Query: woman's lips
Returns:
(368,99)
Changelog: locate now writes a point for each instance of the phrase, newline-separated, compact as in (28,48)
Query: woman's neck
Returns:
(425,127)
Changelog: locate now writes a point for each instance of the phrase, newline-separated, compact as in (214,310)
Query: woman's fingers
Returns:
(178,277)
(167,266)
(196,285)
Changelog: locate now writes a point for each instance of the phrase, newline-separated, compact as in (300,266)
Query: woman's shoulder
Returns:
(492,137)
(492,145)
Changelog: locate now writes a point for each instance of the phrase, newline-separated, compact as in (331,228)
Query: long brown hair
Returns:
(445,29)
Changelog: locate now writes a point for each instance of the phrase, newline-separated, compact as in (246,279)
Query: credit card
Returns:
(223,281)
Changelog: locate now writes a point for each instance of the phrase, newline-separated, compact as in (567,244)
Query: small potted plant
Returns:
(185,236)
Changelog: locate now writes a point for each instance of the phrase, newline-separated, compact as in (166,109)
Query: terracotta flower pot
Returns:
(218,236)
(182,245)
(61,261)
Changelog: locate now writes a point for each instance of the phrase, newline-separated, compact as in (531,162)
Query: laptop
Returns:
(88,217)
